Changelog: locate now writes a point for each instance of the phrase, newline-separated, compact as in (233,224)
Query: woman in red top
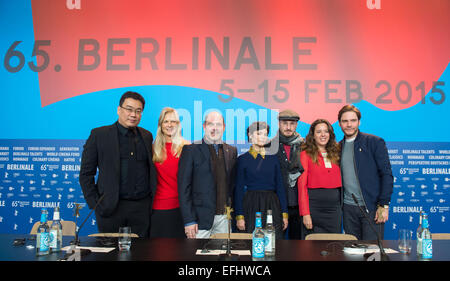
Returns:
(320,184)
(166,218)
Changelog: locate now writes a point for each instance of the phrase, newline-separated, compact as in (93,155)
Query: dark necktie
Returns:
(216,148)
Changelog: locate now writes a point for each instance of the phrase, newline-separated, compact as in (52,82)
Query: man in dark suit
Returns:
(122,153)
(206,179)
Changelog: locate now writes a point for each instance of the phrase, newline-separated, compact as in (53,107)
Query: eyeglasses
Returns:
(131,110)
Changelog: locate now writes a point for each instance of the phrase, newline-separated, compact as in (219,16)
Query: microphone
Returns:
(76,241)
(383,255)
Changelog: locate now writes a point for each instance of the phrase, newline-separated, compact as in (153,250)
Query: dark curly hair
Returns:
(332,147)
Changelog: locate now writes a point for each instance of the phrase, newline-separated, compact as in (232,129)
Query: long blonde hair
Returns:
(159,146)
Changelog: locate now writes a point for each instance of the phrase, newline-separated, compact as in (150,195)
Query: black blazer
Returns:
(101,151)
(196,184)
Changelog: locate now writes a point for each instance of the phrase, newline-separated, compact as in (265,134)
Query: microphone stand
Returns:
(76,241)
(383,255)
(228,256)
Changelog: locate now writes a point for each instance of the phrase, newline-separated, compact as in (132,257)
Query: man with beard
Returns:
(286,144)
(366,177)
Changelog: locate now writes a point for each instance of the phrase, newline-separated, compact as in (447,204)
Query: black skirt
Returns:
(261,201)
(325,210)
(167,224)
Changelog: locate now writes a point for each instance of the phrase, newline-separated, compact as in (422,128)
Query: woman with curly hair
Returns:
(320,185)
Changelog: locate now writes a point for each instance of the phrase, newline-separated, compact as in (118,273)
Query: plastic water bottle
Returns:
(427,242)
(419,235)
(42,236)
(269,233)
(258,243)
(56,232)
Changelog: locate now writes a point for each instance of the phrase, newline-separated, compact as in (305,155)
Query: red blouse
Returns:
(166,196)
(315,176)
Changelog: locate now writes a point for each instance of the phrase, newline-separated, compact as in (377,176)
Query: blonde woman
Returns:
(166,218)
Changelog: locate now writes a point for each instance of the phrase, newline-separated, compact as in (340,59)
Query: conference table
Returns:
(167,249)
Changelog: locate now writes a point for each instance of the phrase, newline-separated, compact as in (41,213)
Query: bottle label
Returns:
(427,248)
(52,238)
(44,242)
(258,246)
(258,222)
(268,241)
(425,223)
(419,246)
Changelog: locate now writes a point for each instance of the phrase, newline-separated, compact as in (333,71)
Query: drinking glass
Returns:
(124,238)
(404,241)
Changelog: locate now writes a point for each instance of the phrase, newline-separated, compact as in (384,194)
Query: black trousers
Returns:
(356,224)
(167,223)
(295,229)
(132,213)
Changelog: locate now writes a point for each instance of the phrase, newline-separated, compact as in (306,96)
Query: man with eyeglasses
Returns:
(122,153)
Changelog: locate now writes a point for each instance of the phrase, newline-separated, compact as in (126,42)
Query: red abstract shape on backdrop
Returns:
(235,45)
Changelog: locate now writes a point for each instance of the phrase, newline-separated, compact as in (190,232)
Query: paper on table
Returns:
(370,249)
(93,249)
(386,250)
(218,252)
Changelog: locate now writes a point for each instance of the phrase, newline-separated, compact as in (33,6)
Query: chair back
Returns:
(242,236)
(330,236)
(112,234)
(440,236)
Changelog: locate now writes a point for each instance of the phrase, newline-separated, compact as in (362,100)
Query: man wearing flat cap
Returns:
(288,151)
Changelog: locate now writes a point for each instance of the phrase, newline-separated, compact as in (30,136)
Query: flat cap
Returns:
(288,114)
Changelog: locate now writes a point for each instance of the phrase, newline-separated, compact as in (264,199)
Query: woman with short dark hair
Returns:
(259,185)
